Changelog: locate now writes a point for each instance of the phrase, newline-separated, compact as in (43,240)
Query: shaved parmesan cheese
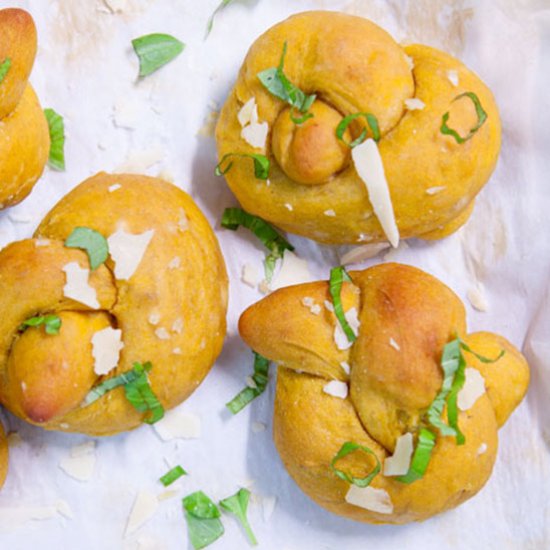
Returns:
(410,62)
(452,75)
(394,253)
(114,187)
(139,161)
(77,287)
(329,306)
(176,351)
(370,169)
(336,388)
(361,253)
(13,518)
(289,206)
(435,190)
(175,262)
(248,113)
(258,427)
(394,344)
(126,113)
(18,218)
(183,221)
(293,271)
(249,275)
(154,318)
(106,346)
(41,242)
(311,305)
(255,134)
(178,424)
(268,506)
(162,334)
(331,213)
(478,299)
(144,508)
(398,464)
(127,251)
(482,449)
(80,463)
(414,104)
(177,325)
(370,498)
(363,238)
(473,389)
(346,367)
(340,337)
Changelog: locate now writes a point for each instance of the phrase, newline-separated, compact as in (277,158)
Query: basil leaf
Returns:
(481,118)
(5,66)
(233,218)
(202,516)
(210,24)
(277,83)
(52,323)
(372,121)
(337,277)
(346,449)
(155,50)
(248,394)
(56,125)
(261,165)
(89,240)
(238,505)
(421,457)
(174,474)
(110,384)
(140,395)
(481,358)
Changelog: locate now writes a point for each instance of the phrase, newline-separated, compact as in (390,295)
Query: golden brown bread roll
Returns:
(164,286)
(353,66)
(24,134)
(393,370)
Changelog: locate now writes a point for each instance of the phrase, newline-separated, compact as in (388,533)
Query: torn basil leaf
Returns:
(92,242)
(238,505)
(155,51)
(421,457)
(56,126)
(248,394)
(372,122)
(203,520)
(5,66)
(172,475)
(350,447)
(481,118)
(339,275)
(261,164)
(52,323)
(140,395)
(210,24)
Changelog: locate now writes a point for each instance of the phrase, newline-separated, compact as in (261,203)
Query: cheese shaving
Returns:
(414,104)
(127,251)
(80,463)
(370,498)
(106,346)
(340,338)
(398,464)
(293,271)
(473,389)
(178,424)
(452,75)
(336,388)
(144,508)
(369,167)
(361,253)
(77,287)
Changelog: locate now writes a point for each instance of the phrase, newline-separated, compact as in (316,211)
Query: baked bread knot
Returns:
(335,398)
(24,134)
(435,125)
(159,299)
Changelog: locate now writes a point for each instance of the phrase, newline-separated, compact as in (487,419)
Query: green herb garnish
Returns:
(238,505)
(339,275)
(56,125)
(89,240)
(350,447)
(233,218)
(372,121)
(4,68)
(277,83)
(174,474)
(110,384)
(52,323)
(155,50)
(248,394)
(421,457)
(261,164)
(203,520)
(481,118)
(140,395)
(222,5)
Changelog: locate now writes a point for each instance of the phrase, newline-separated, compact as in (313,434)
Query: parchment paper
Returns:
(87,70)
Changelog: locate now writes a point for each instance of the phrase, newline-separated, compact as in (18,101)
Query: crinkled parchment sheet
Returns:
(86,70)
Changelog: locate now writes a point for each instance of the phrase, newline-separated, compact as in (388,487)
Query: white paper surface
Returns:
(86,70)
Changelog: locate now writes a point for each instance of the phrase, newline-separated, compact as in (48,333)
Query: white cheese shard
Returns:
(176,351)
(106,346)
(342,342)
(127,251)
(126,113)
(369,167)
(477,297)
(293,271)
(114,187)
(253,131)
(14,518)
(183,221)
(268,506)
(346,368)
(336,388)
(394,344)
(482,449)
(330,213)
(162,334)
(370,498)
(154,318)
(80,462)
(328,306)
(435,190)
(175,263)
(309,302)
(452,75)
(249,275)
(473,389)
(144,508)
(258,427)
(77,287)
(19,218)
(289,206)
(41,242)
(414,104)
(178,424)
(138,162)
(398,464)
(248,112)
(361,253)
(410,62)
(177,325)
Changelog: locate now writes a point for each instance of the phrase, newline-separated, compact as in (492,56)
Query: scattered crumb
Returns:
(80,462)
(154,318)
(258,427)
(249,275)
(336,388)
(452,75)
(175,263)
(394,344)
(482,449)
(414,104)
(162,334)
(289,207)
(114,187)
(330,213)
(345,366)
(477,297)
